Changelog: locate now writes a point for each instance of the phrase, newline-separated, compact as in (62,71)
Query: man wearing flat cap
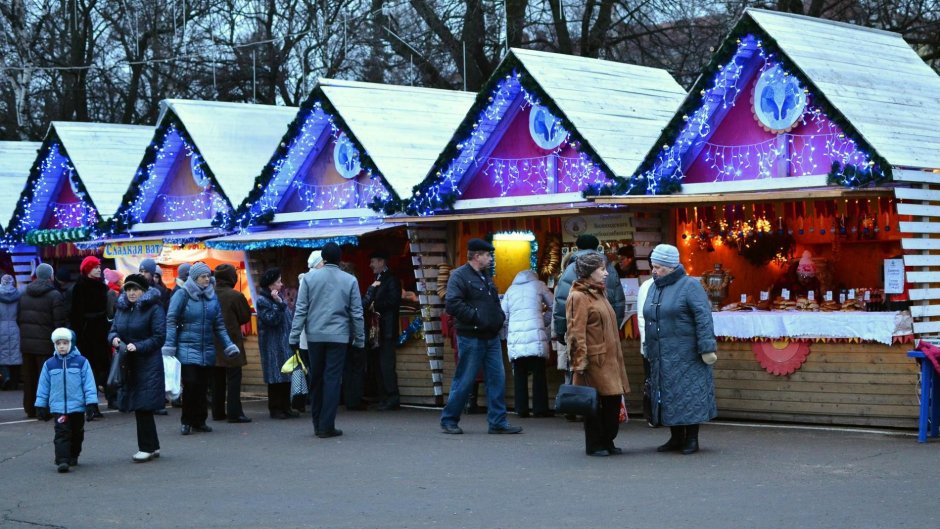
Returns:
(473,301)
(383,297)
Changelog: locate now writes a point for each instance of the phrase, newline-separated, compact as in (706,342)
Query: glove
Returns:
(43,414)
(709,358)
(90,411)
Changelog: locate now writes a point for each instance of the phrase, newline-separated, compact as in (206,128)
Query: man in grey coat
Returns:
(329,312)
(586,243)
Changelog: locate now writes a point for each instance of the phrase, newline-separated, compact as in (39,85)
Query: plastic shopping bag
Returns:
(623,411)
(292,363)
(171,377)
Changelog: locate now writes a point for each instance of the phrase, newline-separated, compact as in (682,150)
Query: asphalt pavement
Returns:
(396,470)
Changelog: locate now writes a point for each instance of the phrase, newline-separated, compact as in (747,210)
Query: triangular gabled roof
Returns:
(16,157)
(398,130)
(103,156)
(614,110)
(869,82)
(233,140)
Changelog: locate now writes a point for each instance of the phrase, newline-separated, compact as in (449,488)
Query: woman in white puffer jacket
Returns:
(527,304)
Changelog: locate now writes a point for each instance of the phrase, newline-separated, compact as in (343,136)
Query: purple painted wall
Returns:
(518,167)
(319,186)
(749,151)
(66,210)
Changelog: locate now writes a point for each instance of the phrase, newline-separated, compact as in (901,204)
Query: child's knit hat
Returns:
(61,334)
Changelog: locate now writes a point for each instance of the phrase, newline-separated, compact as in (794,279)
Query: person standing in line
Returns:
(384,298)
(41,311)
(140,326)
(527,305)
(114,280)
(596,357)
(680,345)
(274,321)
(329,312)
(89,320)
(63,283)
(148,268)
(192,323)
(67,393)
(10,356)
(227,373)
(586,244)
(473,300)
(182,274)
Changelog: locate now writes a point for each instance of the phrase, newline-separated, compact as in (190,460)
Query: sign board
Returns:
(610,227)
(133,248)
(894,276)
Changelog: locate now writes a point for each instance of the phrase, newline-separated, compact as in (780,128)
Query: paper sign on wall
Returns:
(894,276)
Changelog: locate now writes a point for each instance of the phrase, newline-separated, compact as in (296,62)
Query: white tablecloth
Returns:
(871,326)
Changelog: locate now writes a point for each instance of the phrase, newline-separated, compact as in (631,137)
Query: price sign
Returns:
(743,298)
(851,293)
(811,295)
(764,295)
(841,298)
(828,295)
(868,295)
(894,276)
(786,294)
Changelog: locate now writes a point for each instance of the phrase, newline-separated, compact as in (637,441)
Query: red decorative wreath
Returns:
(781,357)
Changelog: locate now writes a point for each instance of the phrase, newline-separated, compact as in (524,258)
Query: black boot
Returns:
(691,440)
(676,440)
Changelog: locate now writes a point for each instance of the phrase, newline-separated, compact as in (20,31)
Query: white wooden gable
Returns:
(16,159)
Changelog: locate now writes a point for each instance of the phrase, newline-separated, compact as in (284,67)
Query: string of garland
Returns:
(409,331)
(423,202)
(19,227)
(51,237)
(637,185)
(244,216)
(124,219)
(274,243)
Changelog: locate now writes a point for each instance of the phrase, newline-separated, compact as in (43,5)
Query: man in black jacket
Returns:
(473,301)
(41,311)
(384,296)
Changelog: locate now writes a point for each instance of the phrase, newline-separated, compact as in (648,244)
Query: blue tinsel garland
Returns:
(273,243)
(410,331)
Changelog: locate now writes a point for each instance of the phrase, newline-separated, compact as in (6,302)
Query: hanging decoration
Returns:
(413,327)
(781,357)
(853,165)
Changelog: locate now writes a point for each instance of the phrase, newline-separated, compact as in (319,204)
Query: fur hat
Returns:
(88,264)
(586,241)
(479,245)
(270,276)
(315,259)
(136,280)
(665,255)
(199,269)
(586,264)
(331,253)
(44,271)
(61,334)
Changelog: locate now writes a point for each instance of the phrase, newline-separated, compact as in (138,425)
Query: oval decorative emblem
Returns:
(199,173)
(346,158)
(781,357)
(779,100)
(545,128)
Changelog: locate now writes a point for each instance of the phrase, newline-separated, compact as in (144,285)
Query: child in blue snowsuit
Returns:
(67,392)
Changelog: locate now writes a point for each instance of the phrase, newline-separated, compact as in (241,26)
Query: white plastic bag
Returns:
(171,377)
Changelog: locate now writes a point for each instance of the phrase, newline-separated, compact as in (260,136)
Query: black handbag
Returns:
(576,400)
(118,374)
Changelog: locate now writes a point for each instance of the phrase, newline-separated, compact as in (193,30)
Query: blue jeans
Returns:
(473,353)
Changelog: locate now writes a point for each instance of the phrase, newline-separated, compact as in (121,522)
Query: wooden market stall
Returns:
(200,163)
(16,158)
(74,185)
(800,177)
(351,145)
(545,127)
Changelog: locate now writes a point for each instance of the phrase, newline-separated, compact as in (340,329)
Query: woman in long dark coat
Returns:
(140,326)
(89,319)
(274,320)
(680,345)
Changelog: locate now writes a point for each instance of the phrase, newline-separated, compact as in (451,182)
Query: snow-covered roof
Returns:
(16,159)
(236,140)
(619,109)
(402,128)
(872,77)
(105,156)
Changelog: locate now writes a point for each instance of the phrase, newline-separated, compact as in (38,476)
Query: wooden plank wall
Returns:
(921,244)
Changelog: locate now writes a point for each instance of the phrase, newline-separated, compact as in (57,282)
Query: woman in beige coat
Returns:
(594,347)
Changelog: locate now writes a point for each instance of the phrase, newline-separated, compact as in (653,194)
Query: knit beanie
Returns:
(315,259)
(148,265)
(331,253)
(44,271)
(112,276)
(199,269)
(586,264)
(136,280)
(88,264)
(665,255)
(269,277)
(182,272)
(61,334)
(587,241)
(63,275)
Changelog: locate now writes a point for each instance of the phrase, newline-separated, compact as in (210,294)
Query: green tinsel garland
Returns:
(53,237)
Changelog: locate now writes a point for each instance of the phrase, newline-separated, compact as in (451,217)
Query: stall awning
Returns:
(484,214)
(786,195)
(312,237)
